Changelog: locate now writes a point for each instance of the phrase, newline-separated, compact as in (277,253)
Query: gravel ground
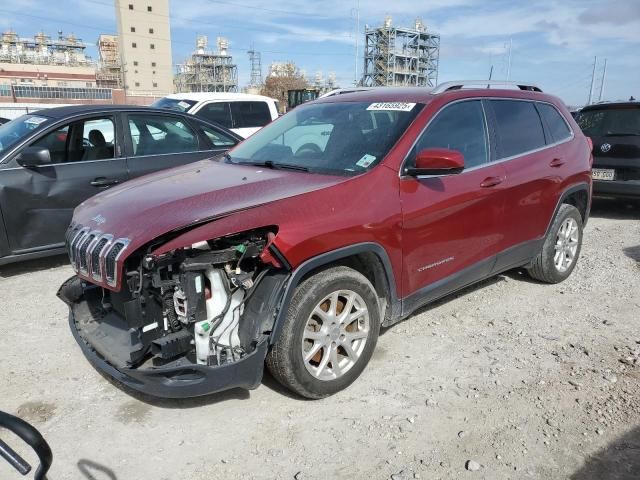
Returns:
(508,379)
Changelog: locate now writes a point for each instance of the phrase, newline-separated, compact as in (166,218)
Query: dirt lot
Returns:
(525,380)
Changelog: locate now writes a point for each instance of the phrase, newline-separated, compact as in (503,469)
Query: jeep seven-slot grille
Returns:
(94,254)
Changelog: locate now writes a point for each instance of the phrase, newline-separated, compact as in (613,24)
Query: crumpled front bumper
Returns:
(177,381)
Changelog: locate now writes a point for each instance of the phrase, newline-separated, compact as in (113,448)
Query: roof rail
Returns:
(460,84)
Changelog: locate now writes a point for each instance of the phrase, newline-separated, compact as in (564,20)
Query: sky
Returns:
(553,42)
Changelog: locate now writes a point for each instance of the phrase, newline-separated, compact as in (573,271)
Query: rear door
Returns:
(156,141)
(535,167)
(38,202)
(452,226)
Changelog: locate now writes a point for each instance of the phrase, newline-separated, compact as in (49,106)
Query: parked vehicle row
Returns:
(294,253)
(52,160)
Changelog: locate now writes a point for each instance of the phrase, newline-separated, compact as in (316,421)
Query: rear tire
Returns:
(561,247)
(329,333)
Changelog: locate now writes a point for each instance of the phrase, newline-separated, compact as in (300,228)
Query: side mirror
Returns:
(34,156)
(437,161)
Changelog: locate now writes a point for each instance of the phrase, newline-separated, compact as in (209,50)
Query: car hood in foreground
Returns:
(147,207)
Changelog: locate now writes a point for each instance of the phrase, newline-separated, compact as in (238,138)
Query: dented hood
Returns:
(144,208)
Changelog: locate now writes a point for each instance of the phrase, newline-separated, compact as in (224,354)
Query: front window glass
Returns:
(250,114)
(622,121)
(174,104)
(11,133)
(217,112)
(91,139)
(341,138)
(459,127)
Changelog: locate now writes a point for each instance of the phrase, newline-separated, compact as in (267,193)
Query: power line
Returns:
(86,27)
(203,22)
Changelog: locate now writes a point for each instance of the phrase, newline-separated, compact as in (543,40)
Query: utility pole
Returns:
(509,61)
(593,79)
(604,76)
(355,65)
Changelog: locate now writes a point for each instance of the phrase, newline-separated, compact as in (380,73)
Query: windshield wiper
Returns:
(275,165)
(623,134)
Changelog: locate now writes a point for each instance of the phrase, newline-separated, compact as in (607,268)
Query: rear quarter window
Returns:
(558,128)
(518,127)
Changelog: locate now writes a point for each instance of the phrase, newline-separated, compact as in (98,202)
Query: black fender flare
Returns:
(569,191)
(324,259)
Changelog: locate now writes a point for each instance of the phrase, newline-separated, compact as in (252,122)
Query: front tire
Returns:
(328,335)
(561,247)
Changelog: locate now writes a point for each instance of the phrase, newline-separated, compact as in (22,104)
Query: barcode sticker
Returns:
(392,106)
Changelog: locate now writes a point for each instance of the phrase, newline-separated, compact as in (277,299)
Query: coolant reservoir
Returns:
(215,306)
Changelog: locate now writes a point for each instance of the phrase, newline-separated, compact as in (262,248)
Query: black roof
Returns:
(71,110)
(604,105)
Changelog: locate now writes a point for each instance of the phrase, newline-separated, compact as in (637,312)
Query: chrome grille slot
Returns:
(83,245)
(111,258)
(94,256)
(73,247)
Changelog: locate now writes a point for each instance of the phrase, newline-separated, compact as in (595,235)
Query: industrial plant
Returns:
(207,71)
(398,56)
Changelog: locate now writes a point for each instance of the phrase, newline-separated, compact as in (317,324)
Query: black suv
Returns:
(614,129)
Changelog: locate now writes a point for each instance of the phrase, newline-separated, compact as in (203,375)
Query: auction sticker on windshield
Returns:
(36,120)
(392,106)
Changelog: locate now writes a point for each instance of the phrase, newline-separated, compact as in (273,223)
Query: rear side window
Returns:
(460,127)
(159,135)
(217,112)
(558,128)
(250,114)
(518,127)
(218,139)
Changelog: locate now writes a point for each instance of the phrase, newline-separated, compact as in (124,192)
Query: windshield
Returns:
(340,138)
(14,131)
(174,104)
(610,121)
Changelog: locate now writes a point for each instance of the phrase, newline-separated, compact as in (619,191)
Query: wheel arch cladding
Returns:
(369,258)
(576,195)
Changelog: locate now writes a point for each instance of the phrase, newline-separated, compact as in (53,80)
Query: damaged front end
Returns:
(186,323)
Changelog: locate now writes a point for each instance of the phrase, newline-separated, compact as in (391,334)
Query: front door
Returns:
(156,142)
(451,225)
(38,202)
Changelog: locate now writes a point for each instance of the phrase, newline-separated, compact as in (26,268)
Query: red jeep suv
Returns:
(345,215)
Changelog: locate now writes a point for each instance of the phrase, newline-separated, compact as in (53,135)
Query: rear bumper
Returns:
(617,188)
(182,379)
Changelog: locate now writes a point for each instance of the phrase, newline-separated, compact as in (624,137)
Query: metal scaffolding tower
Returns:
(396,56)
(256,68)
(206,71)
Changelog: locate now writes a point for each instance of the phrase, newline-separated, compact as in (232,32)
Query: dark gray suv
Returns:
(614,129)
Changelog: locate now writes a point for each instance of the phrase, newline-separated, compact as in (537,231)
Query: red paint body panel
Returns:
(430,228)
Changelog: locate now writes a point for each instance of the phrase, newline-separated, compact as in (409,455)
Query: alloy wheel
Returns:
(335,334)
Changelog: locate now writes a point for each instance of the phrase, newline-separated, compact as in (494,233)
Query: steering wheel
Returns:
(33,438)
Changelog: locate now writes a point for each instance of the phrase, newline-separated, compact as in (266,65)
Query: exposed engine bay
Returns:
(207,305)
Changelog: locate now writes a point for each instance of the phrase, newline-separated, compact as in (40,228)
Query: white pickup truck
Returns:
(242,113)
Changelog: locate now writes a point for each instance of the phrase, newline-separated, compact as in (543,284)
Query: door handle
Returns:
(556,162)
(104,182)
(492,182)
